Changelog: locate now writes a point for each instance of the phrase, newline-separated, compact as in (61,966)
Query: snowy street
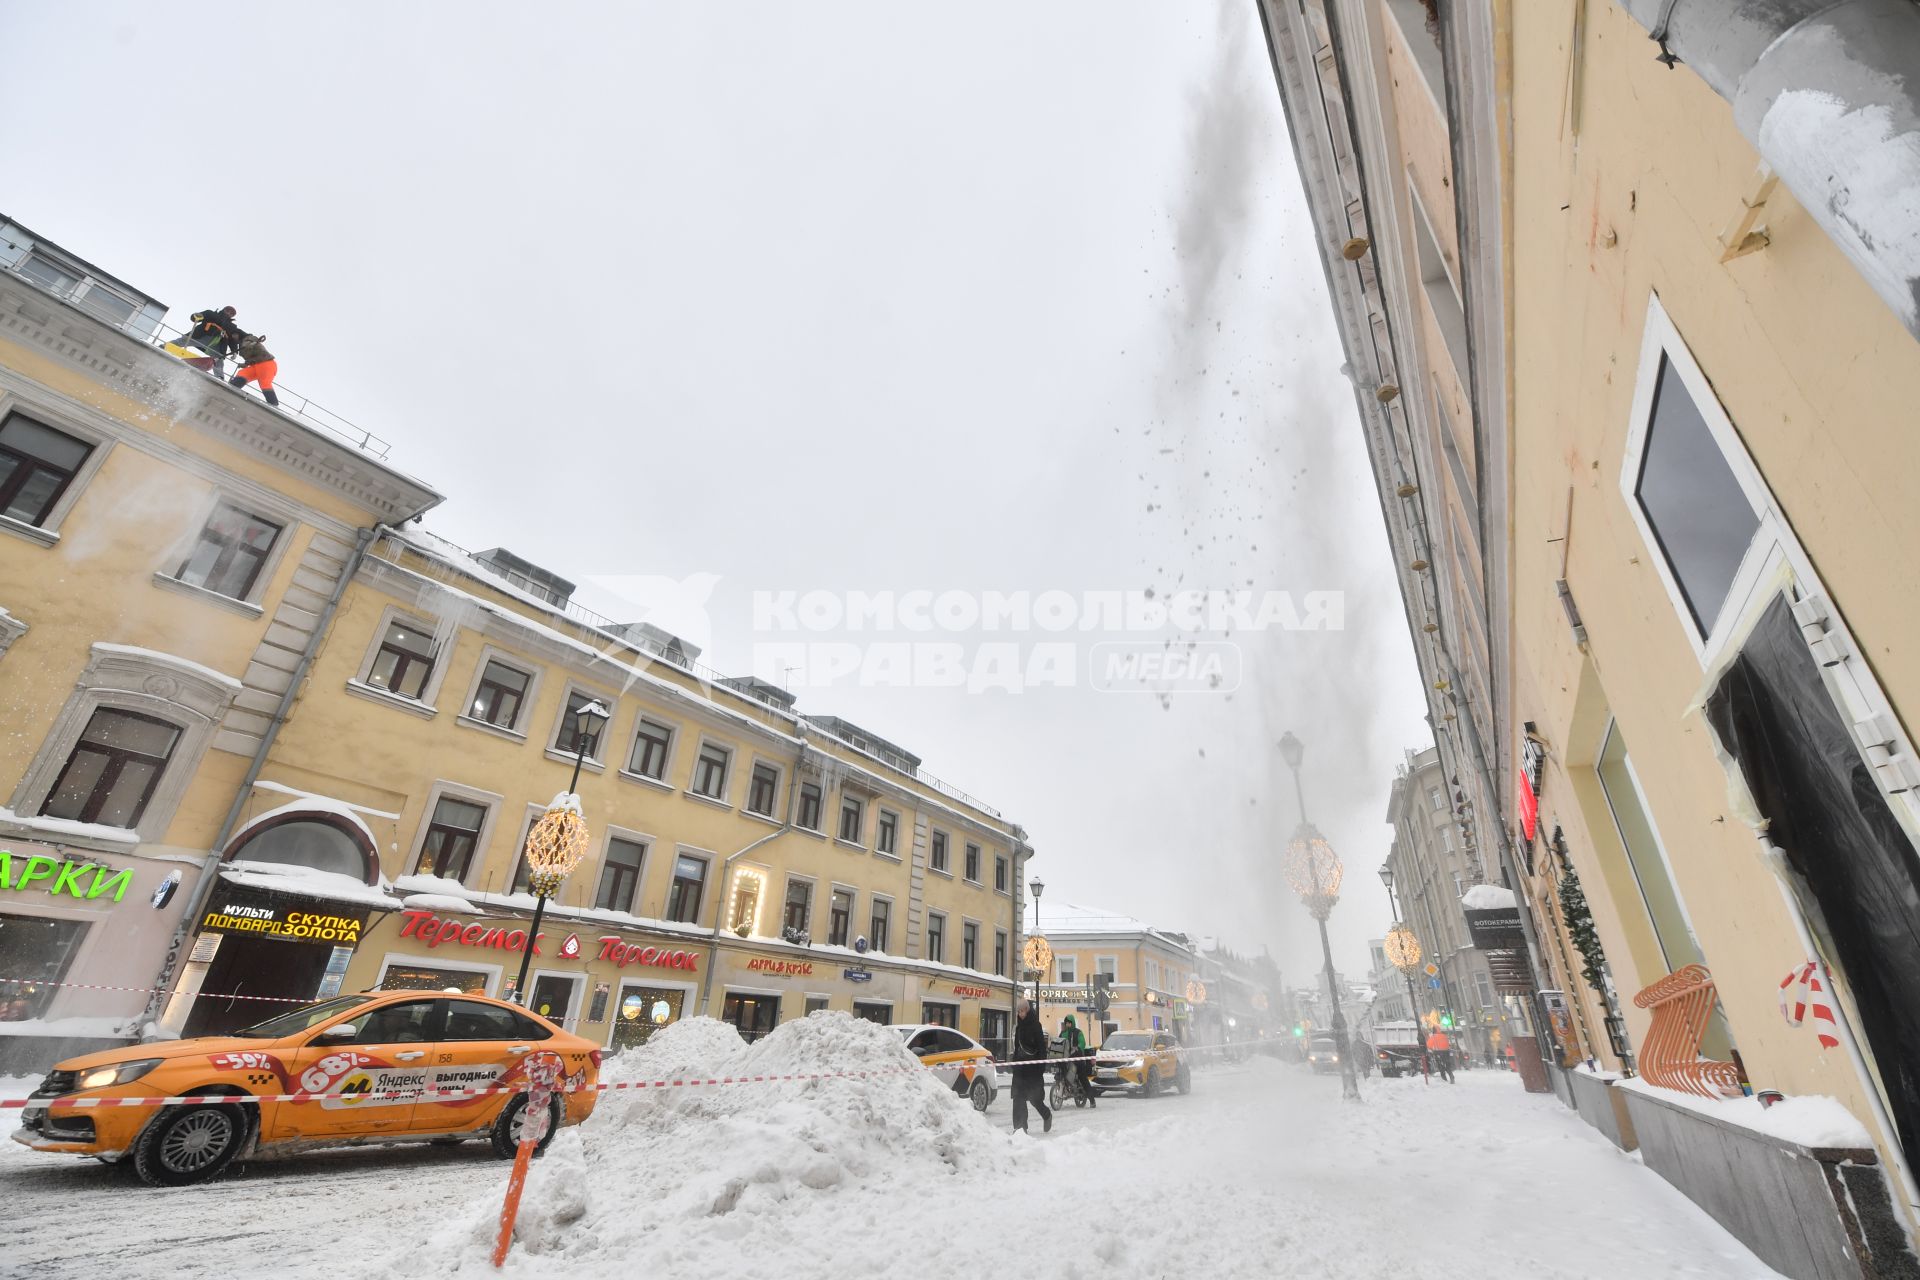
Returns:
(1260,1172)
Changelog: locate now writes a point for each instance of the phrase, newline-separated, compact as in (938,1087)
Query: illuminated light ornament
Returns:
(555,845)
(1403,949)
(1314,870)
(1196,991)
(1038,953)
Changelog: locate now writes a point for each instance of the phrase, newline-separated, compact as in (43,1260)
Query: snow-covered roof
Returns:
(1071,920)
(306,882)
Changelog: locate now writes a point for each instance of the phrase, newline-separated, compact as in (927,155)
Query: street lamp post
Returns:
(559,838)
(1036,887)
(1314,871)
(1403,953)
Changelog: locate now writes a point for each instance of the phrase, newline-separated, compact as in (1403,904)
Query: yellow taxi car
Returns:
(958,1061)
(349,1049)
(1143,1062)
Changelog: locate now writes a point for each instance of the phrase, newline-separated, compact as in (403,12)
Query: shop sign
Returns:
(435,932)
(857,975)
(784,968)
(272,922)
(972,993)
(1062,995)
(625,954)
(1496,928)
(84,880)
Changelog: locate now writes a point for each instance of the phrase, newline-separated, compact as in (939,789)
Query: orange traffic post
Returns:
(543,1073)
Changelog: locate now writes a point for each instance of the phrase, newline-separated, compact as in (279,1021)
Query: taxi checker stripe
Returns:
(441,1095)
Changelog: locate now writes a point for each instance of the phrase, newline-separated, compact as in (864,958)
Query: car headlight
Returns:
(117,1073)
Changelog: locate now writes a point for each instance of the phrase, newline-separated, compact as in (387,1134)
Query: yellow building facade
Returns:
(1151,972)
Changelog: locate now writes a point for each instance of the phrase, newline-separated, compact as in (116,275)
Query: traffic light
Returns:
(1446,1020)
(1299,1030)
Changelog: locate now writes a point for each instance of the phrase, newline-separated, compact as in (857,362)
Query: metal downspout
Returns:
(209,869)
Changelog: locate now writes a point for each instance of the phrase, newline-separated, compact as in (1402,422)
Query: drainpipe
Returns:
(210,868)
(1826,92)
(720,887)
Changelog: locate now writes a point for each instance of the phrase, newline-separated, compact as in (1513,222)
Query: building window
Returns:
(1108,965)
(799,913)
(878,926)
(886,836)
(1000,952)
(993,1032)
(232,548)
(972,868)
(937,858)
(683,898)
(403,661)
(452,838)
(752,1015)
(764,790)
(839,917)
(1000,872)
(569,739)
(940,1014)
(936,937)
(1066,970)
(1701,518)
(110,775)
(498,697)
(1153,974)
(650,746)
(746,900)
(1437,799)
(710,771)
(37,952)
(819,1004)
(809,806)
(620,875)
(1483,989)
(37,464)
(969,945)
(852,815)
(873,1011)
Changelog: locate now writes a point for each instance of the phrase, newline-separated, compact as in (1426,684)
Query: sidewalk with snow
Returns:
(1261,1172)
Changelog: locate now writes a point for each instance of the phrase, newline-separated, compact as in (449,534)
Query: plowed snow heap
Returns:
(669,1174)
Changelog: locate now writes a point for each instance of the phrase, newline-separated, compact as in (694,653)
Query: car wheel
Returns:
(183,1145)
(1183,1081)
(1153,1082)
(981,1094)
(506,1127)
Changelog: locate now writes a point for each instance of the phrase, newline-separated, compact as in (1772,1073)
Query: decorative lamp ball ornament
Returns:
(1313,868)
(556,844)
(1196,991)
(1038,953)
(1402,948)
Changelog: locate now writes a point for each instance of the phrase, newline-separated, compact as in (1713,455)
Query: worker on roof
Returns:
(260,366)
(213,332)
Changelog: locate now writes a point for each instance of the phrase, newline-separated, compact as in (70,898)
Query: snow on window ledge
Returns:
(246,608)
(362,689)
(69,829)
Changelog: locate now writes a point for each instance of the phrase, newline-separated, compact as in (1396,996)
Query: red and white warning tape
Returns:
(143,991)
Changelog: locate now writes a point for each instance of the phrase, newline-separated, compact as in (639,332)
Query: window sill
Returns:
(245,608)
(767,818)
(890,857)
(567,758)
(848,844)
(715,801)
(28,532)
(815,832)
(655,783)
(940,871)
(511,735)
(973,882)
(374,693)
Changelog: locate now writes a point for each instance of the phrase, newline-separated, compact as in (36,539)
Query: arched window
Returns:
(314,840)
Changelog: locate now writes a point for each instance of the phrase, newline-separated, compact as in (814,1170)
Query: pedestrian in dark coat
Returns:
(215,333)
(1030,1081)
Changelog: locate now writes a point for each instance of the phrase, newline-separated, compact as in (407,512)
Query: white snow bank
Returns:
(307,882)
(66,827)
(671,1175)
(1811,1120)
(1488,897)
(78,1028)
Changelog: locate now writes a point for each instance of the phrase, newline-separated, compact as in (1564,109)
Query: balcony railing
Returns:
(142,327)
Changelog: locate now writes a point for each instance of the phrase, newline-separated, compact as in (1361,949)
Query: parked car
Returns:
(961,1062)
(1323,1055)
(1142,1062)
(351,1050)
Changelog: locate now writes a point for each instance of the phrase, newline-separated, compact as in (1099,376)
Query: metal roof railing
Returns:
(293,403)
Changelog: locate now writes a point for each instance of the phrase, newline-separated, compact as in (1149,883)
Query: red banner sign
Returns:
(786,968)
(972,993)
(1529,809)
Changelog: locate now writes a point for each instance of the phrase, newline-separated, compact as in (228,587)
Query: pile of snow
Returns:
(676,1176)
(1488,897)
(1811,1120)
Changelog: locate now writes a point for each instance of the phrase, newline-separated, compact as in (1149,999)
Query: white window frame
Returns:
(597,762)
(879,814)
(625,984)
(48,413)
(423,706)
(665,780)
(172,689)
(437,961)
(647,845)
(779,785)
(482,843)
(813,897)
(926,937)
(1109,965)
(892,920)
(998,860)
(728,778)
(966,923)
(1066,968)
(979,861)
(517,731)
(570,1020)
(1771,542)
(860,802)
(168,574)
(853,911)
(934,834)
(799,785)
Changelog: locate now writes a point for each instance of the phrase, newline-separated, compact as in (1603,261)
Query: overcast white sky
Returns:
(831,297)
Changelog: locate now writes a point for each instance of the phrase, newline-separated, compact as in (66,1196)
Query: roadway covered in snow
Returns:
(1261,1172)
